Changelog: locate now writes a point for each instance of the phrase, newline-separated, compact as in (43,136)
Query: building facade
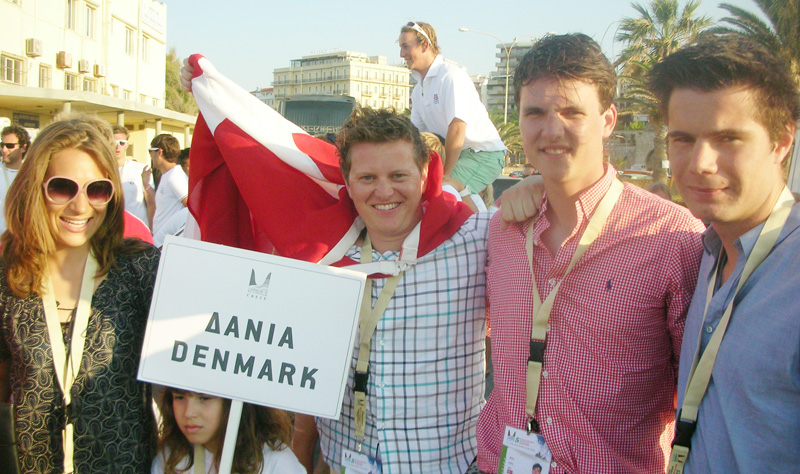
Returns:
(266,95)
(101,57)
(368,79)
(496,89)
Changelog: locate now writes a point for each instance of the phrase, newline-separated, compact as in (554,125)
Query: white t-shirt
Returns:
(448,93)
(5,183)
(172,189)
(275,462)
(131,176)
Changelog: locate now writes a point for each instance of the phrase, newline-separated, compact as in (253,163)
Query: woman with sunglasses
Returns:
(74,299)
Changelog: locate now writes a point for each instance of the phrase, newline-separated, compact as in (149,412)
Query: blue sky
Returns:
(247,39)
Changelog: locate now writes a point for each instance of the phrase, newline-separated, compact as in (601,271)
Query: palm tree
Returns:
(781,35)
(509,133)
(656,32)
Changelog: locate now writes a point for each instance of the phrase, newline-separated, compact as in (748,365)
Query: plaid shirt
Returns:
(606,396)
(426,363)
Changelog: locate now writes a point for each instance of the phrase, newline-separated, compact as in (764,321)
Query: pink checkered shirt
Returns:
(606,396)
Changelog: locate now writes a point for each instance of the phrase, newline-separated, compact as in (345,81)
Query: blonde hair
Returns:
(29,238)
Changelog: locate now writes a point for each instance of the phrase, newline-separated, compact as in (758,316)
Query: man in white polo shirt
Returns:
(445,102)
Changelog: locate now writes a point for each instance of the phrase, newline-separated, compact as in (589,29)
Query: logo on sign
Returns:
(255,290)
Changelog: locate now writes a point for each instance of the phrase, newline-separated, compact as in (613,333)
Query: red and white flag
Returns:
(259,182)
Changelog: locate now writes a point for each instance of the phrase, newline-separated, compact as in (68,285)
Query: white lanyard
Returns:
(368,321)
(541,310)
(700,375)
(67,362)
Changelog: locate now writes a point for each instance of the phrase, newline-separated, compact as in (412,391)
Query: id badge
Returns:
(524,452)
(357,463)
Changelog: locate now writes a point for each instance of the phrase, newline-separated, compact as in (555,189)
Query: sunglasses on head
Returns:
(61,190)
(121,142)
(419,29)
(10,146)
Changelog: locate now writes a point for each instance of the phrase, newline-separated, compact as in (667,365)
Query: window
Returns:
(11,70)
(70,82)
(128,41)
(145,49)
(71,14)
(126,95)
(89,85)
(89,26)
(45,76)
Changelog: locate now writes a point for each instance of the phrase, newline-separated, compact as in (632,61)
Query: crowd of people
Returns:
(629,334)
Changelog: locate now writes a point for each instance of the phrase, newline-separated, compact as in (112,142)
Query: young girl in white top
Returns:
(191,420)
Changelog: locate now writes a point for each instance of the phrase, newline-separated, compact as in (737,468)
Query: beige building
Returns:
(368,79)
(96,56)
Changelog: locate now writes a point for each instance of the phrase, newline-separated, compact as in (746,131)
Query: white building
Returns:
(95,56)
(368,79)
(266,95)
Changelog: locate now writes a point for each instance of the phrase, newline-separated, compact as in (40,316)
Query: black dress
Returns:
(111,411)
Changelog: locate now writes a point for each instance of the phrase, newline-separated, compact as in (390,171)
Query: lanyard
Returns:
(368,321)
(542,309)
(700,375)
(67,360)
(199,459)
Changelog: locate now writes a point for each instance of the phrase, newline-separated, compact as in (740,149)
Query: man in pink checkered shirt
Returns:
(606,395)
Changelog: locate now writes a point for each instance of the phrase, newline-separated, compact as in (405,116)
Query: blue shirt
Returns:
(749,419)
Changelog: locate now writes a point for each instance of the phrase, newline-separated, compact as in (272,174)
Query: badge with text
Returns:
(357,463)
(253,327)
(524,452)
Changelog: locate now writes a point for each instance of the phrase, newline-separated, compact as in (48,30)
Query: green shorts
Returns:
(478,169)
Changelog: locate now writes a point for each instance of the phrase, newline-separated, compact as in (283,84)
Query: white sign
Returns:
(251,326)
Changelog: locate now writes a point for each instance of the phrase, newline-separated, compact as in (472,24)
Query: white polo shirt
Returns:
(447,93)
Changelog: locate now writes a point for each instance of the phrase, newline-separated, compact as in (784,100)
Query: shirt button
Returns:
(544,374)
(383,342)
(382,384)
(548,327)
(549,421)
(535,241)
(381,426)
(709,329)
(551,281)
(553,464)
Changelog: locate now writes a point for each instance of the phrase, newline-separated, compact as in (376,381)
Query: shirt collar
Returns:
(437,63)
(587,201)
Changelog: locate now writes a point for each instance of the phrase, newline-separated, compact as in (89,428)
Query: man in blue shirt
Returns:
(732,107)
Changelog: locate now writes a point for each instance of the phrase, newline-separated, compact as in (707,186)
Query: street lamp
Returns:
(508,57)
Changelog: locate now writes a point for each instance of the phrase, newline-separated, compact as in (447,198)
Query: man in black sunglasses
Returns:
(445,102)
(14,146)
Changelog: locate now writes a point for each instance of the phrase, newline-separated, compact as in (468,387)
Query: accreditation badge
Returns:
(357,463)
(524,452)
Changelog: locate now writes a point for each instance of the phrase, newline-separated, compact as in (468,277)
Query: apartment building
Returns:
(95,56)
(496,89)
(368,79)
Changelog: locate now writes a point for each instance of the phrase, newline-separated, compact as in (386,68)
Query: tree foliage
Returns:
(176,98)
(510,134)
(781,34)
(659,29)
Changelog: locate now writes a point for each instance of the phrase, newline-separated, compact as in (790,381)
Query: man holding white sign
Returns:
(417,383)
(417,387)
